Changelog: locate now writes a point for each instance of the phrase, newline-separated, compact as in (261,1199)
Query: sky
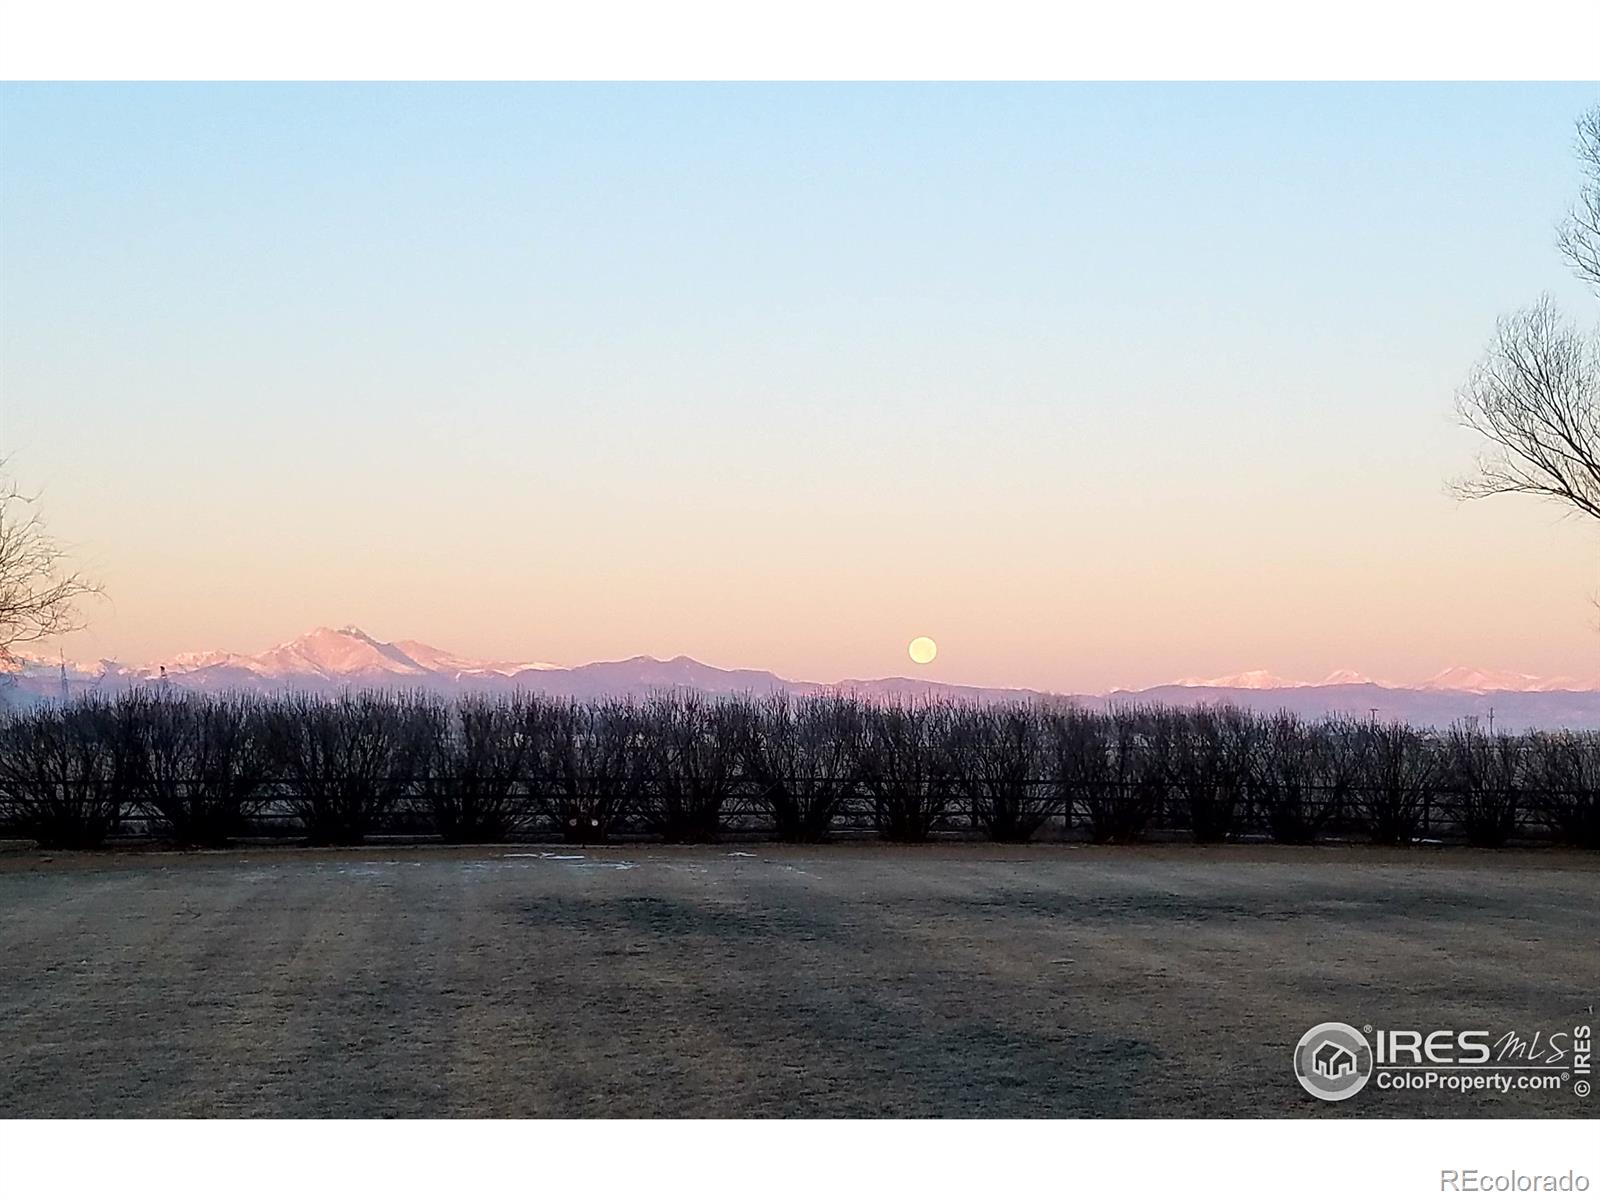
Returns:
(1096,385)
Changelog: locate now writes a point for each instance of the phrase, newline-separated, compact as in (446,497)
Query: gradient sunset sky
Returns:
(1096,385)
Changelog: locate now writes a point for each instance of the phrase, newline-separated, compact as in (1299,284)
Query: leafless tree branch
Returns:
(1535,396)
(1580,233)
(39,592)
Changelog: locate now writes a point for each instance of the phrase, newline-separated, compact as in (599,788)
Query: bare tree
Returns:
(1536,397)
(1483,774)
(345,761)
(590,763)
(693,747)
(905,767)
(998,757)
(1536,394)
(1398,779)
(799,754)
(472,757)
(197,766)
(64,774)
(1580,233)
(1563,782)
(39,594)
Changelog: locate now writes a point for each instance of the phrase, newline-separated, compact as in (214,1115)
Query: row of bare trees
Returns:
(203,770)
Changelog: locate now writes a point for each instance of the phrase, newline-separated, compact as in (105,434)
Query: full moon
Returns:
(922,650)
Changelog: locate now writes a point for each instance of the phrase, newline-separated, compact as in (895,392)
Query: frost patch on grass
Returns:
(366,870)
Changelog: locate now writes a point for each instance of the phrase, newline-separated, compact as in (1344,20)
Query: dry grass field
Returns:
(854,980)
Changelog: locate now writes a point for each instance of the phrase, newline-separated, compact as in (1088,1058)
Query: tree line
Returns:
(200,771)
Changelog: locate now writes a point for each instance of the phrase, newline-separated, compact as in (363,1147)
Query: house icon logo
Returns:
(1333,1061)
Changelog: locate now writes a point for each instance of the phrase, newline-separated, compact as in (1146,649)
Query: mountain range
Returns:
(330,660)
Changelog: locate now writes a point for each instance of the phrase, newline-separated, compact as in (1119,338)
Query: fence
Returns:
(201,771)
(1072,813)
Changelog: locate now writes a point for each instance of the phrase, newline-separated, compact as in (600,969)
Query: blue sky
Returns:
(1095,384)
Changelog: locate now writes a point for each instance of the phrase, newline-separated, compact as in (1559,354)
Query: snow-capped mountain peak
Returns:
(1344,677)
(1479,680)
(330,659)
(346,651)
(1246,680)
(431,658)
